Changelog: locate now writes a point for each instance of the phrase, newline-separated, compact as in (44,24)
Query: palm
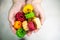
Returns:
(18,6)
(38,11)
(14,9)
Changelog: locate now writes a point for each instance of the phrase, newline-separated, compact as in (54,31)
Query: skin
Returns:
(17,6)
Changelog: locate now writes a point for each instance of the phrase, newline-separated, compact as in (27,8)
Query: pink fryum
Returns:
(31,26)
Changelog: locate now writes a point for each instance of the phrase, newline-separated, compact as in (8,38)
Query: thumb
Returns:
(11,20)
(13,30)
(36,13)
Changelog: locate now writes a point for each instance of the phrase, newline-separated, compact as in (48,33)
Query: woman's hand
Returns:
(16,7)
(38,11)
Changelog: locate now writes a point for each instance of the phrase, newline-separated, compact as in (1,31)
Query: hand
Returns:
(16,7)
(38,11)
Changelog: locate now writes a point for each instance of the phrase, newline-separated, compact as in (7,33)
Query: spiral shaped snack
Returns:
(29,15)
(20,16)
(20,33)
(25,25)
(28,8)
(37,22)
(17,24)
(31,26)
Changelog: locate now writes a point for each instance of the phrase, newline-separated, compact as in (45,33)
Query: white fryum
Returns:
(37,22)
(25,27)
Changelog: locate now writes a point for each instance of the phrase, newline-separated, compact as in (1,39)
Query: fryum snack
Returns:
(26,21)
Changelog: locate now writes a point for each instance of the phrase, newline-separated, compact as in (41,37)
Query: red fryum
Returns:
(31,26)
(20,16)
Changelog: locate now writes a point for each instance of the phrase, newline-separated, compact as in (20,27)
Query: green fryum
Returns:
(29,15)
(20,33)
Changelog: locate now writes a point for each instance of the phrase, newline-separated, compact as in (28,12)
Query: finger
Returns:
(13,30)
(42,19)
(36,30)
(36,12)
(40,12)
(11,20)
(29,33)
(41,15)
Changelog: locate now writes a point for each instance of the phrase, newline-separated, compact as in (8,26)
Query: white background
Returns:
(50,29)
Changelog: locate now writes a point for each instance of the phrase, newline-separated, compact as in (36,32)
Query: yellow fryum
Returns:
(25,25)
(28,8)
(37,22)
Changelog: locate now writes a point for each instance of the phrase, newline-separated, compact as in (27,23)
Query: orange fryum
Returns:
(17,24)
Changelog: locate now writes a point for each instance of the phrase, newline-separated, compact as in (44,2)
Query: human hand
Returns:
(38,11)
(16,7)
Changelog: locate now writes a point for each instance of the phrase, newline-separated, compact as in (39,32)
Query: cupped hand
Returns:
(16,7)
(38,11)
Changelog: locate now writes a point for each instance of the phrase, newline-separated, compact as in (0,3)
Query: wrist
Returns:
(18,1)
(38,2)
(29,1)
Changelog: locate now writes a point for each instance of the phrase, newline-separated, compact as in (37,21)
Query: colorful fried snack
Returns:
(20,33)
(25,25)
(29,15)
(17,24)
(28,8)
(31,26)
(37,22)
(20,16)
